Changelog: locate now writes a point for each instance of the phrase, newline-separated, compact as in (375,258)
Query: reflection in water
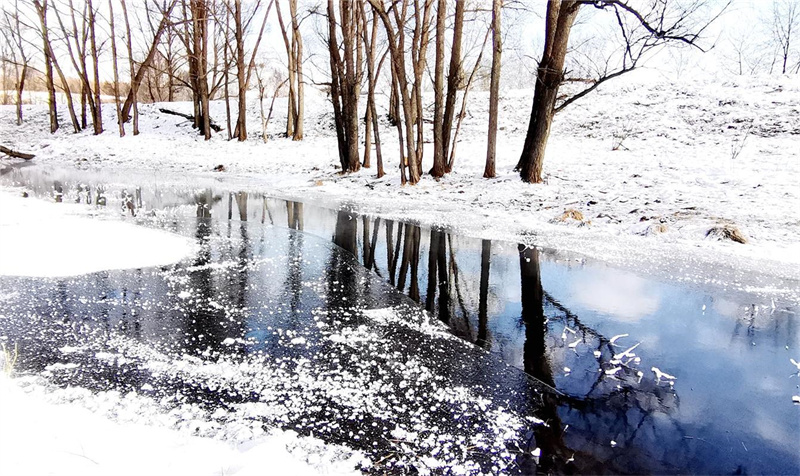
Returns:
(560,323)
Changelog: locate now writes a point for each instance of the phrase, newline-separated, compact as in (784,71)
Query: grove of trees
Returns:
(406,51)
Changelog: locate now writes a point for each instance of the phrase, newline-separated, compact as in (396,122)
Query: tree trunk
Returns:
(453,82)
(199,11)
(20,89)
(438,169)
(41,9)
(97,116)
(241,123)
(336,73)
(297,61)
(397,48)
(494,90)
(291,111)
(132,99)
(114,64)
(560,17)
(350,83)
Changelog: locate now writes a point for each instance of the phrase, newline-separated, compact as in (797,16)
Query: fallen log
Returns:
(190,117)
(17,154)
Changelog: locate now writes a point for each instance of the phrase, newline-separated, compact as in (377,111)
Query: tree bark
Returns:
(560,17)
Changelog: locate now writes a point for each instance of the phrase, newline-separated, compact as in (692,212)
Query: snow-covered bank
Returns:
(40,438)
(49,240)
(690,156)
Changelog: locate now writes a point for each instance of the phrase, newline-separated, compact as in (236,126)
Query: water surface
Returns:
(303,290)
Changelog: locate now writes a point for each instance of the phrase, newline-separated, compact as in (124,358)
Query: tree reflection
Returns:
(583,416)
(483,302)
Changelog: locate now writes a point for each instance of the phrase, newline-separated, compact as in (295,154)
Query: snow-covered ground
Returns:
(42,430)
(691,156)
(38,238)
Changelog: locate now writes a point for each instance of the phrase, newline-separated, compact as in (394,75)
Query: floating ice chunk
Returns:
(617,337)
(597,354)
(229,341)
(627,353)
(567,370)
(662,375)
(795,363)
(613,443)
(184,295)
(298,341)
(537,452)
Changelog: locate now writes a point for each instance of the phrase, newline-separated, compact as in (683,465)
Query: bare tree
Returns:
(665,21)
(494,89)
(263,83)
(20,57)
(97,116)
(408,93)
(116,73)
(438,169)
(41,10)
(785,22)
(373,71)
(165,9)
(293,42)
(454,80)
(344,82)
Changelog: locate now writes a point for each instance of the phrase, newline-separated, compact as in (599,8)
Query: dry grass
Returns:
(8,358)
(726,232)
(571,213)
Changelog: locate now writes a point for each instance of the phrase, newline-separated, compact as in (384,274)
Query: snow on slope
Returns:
(690,155)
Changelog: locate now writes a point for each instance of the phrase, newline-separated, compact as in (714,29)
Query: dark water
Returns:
(275,281)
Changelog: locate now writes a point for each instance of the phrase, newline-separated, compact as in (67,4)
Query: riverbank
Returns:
(644,176)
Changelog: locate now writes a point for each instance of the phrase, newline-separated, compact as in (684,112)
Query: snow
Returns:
(40,437)
(652,167)
(44,239)
(696,153)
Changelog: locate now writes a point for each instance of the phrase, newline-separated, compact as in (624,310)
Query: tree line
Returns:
(204,50)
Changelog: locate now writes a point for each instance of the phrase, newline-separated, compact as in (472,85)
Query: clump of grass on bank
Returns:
(8,359)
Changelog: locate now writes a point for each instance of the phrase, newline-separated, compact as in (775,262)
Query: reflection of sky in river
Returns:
(731,363)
